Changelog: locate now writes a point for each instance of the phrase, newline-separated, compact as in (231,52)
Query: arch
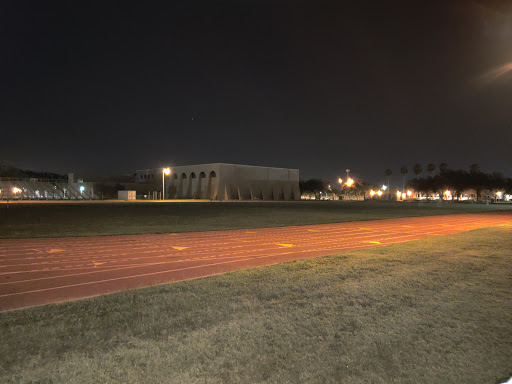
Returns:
(213,174)
(183,175)
(192,175)
(202,175)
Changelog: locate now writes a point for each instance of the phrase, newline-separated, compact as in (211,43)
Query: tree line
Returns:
(440,178)
(10,171)
(455,181)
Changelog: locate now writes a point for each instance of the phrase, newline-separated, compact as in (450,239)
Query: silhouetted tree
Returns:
(474,168)
(417,169)
(443,167)
(431,168)
(388,172)
(404,171)
(313,186)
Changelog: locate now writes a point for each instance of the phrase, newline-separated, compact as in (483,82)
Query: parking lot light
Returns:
(165,171)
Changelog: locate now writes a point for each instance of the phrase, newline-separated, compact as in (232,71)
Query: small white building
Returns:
(126,195)
(220,181)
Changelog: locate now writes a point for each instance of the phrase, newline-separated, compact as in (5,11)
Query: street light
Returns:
(165,171)
(348,171)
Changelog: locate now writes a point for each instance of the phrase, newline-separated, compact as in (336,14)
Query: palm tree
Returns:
(404,171)
(388,172)
(443,167)
(417,170)
(431,168)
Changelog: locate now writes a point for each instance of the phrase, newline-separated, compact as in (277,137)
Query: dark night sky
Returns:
(109,87)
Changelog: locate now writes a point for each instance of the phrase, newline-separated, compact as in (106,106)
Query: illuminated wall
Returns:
(226,182)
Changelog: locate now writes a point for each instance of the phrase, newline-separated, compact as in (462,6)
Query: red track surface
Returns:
(41,271)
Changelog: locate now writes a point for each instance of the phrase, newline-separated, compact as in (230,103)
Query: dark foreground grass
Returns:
(430,311)
(58,220)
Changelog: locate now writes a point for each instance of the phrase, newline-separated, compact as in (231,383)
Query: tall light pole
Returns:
(165,171)
(348,171)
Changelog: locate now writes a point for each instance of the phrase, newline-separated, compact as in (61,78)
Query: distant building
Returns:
(36,188)
(225,182)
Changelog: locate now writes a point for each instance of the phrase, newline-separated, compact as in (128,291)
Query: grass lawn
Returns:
(57,220)
(437,310)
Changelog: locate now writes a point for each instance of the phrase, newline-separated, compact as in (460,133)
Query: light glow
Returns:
(397,193)
(404,195)
(498,194)
(167,171)
(409,193)
(384,187)
(340,181)
(372,192)
(15,190)
(349,182)
(379,193)
(497,72)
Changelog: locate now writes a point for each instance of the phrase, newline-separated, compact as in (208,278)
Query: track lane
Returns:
(40,271)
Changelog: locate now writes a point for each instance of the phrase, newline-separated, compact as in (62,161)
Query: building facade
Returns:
(221,181)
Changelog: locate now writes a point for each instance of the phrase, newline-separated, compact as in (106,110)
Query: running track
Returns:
(41,271)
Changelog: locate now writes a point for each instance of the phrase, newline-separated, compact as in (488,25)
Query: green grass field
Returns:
(437,310)
(56,220)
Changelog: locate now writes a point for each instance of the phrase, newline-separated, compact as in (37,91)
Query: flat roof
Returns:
(211,164)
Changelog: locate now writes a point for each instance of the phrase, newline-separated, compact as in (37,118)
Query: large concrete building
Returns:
(225,182)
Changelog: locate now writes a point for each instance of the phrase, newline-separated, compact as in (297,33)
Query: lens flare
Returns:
(495,73)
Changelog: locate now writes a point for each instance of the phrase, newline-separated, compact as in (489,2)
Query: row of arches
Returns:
(202,175)
(192,187)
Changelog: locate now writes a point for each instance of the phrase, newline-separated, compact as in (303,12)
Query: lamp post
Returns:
(165,171)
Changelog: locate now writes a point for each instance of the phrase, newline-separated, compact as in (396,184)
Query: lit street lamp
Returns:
(165,171)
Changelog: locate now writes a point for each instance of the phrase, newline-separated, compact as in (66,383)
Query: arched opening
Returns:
(192,175)
(202,175)
(183,175)
(210,194)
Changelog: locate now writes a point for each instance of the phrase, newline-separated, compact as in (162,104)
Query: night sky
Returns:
(109,87)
